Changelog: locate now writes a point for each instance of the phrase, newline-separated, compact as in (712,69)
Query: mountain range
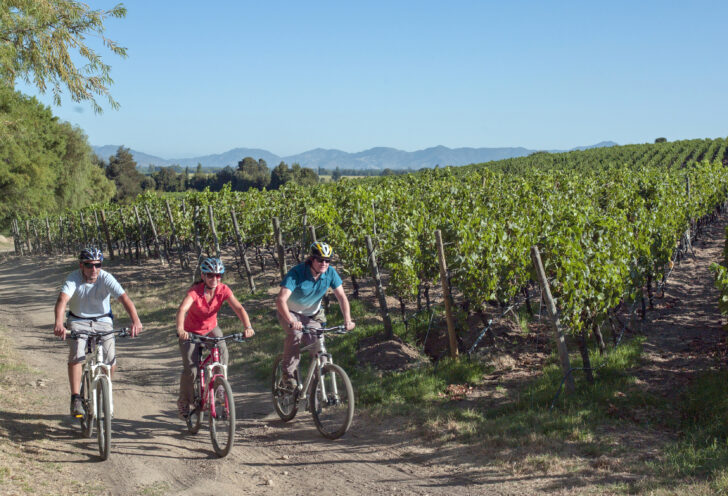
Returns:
(373,158)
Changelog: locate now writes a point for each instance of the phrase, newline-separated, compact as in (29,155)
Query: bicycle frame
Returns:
(205,370)
(99,371)
(320,358)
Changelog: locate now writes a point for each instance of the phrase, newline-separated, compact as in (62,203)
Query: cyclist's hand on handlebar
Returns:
(349,325)
(60,330)
(296,325)
(248,332)
(183,335)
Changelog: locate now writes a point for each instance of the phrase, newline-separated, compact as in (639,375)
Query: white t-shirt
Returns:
(91,300)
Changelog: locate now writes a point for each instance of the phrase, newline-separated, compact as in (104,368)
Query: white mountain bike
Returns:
(96,391)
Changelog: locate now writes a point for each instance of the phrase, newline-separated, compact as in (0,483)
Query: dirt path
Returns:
(684,329)
(153,454)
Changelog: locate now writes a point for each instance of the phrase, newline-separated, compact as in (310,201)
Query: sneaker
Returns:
(183,409)
(77,407)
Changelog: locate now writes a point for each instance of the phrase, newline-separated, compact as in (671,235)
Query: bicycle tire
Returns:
(333,413)
(87,421)
(194,419)
(222,422)
(103,417)
(284,401)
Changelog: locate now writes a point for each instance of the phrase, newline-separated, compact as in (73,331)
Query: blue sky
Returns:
(292,76)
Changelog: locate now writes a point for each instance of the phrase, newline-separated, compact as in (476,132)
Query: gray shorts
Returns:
(77,347)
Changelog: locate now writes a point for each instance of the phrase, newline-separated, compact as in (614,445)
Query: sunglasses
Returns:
(322,260)
(219,276)
(90,265)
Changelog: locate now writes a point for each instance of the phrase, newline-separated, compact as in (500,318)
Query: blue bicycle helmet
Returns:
(212,265)
(91,253)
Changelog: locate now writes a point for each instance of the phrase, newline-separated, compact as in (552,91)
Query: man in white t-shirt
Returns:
(87,292)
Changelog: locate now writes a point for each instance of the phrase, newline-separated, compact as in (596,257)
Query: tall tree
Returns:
(252,174)
(42,41)
(122,170)
(279,176)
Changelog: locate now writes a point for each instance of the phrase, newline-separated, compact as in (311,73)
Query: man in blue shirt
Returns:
(299,304)
(87,293)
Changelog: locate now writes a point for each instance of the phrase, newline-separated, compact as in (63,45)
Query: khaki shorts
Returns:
(77,347)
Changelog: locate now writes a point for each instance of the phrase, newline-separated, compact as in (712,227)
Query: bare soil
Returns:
(41,449)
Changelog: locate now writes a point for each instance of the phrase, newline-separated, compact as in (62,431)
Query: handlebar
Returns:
(122,333)
(339,329)
(238,337)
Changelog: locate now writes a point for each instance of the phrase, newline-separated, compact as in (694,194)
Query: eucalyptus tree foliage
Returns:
(46,166)
(41,42)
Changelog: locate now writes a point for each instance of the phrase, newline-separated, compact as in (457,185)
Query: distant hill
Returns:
(374,158)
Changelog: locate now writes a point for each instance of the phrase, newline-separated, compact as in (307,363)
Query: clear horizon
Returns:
(288,77)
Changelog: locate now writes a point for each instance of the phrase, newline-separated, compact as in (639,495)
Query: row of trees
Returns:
(249,174)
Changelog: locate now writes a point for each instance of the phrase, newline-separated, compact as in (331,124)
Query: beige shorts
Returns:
(77,347)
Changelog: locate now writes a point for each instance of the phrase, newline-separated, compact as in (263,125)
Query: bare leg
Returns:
(74,377)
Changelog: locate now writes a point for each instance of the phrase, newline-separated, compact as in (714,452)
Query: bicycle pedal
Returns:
(79,416)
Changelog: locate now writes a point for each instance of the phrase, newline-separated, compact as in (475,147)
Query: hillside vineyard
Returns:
(607,222)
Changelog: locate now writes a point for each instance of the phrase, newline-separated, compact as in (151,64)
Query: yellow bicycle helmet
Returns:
(321,250)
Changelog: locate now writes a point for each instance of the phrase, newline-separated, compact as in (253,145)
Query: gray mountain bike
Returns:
(326,391)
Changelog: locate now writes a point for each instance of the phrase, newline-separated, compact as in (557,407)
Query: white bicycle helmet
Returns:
(212,265)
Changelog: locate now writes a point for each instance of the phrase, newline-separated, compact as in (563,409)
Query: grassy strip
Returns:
(700,455)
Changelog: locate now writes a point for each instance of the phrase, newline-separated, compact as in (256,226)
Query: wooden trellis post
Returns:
(38,242)
(48,235)
(72,236)
(312,233)
(107,234)
(16,238)
(198,247)
(214,231)
(82,221)
(127,240)
(175,237)
(302,251)
(28,241)
(61,236)
(383,310)
(154,233)
(97,239)
(140,229)
(241,250)
(554,317)
(446,295)
(279,246)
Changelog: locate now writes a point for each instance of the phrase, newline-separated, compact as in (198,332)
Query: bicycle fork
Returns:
(96,376)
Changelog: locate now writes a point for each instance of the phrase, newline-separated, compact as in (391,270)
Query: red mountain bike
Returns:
(213,393)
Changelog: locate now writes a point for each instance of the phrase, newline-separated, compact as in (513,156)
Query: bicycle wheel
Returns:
(332,405)
(103,417)
(284,400)
(222,421)
(194,419)
(87,421)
